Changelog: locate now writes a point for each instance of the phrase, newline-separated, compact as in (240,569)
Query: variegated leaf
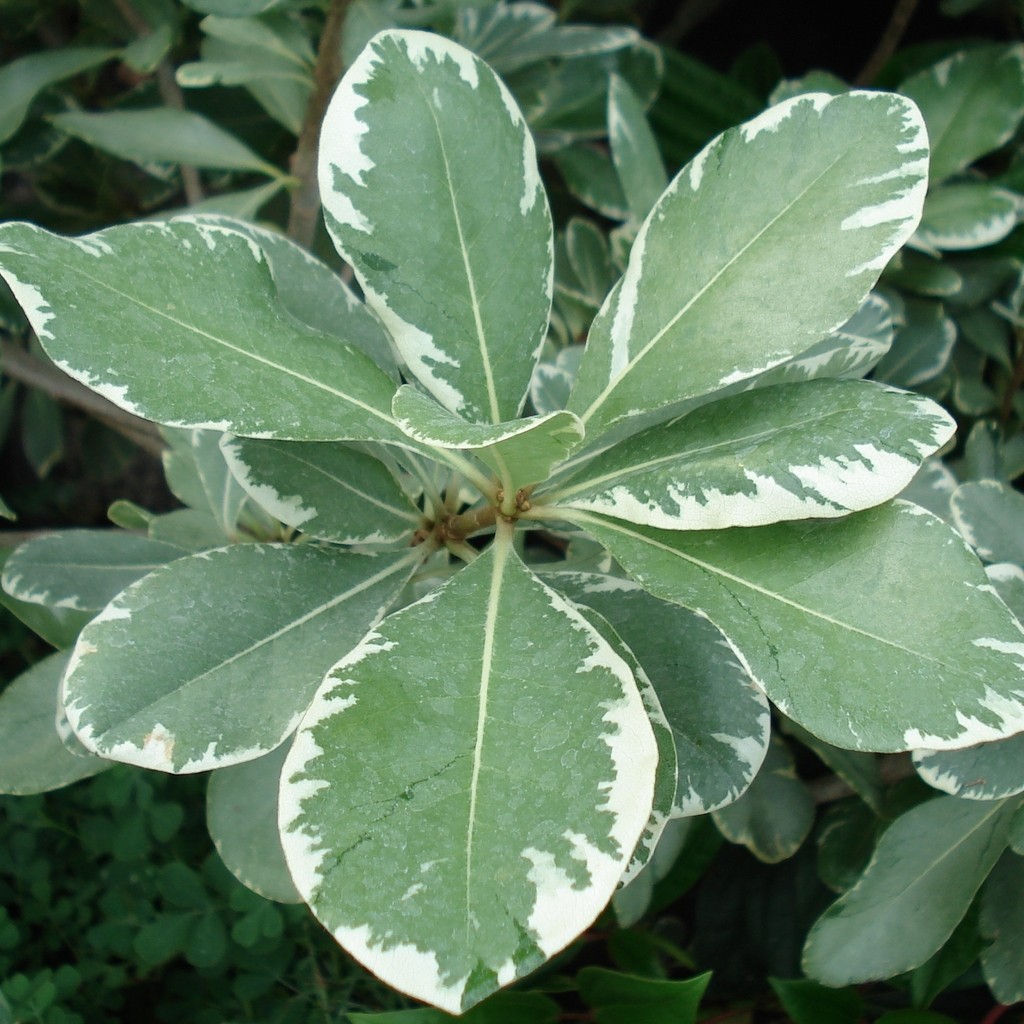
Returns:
(486,819)
(328,490)
(82,569)
(33,758)
(120,311)
(972,103)
(716,710)
(212,660)
(968,215)
(520,452)
(241,815)
(449,232)
(785,227)
(663,800)
(990,771)
(850,614)
(820,449)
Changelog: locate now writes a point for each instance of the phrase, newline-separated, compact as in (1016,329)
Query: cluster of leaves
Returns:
(733,606)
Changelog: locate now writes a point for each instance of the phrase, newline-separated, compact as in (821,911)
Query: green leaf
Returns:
(718,716)
(520,452)
(501,1008)
(624,998)
(989,513)
(233,8)
(848,352)
(316,295)
(923,274)
(665,781)
(224,495)
(188,528)
(1008,580)
(634,150)
(145,53)
(932,488)
(59,627)
(1002,921)
(470,319)
(281,93)
(590,176)
(967,216)
(486,820)
(161,940)
(958,954)
(921,348)
(259,35)
(212,660)
(555,42)
(32,756)
(163,135)
(6,511)
(972,103)
(241,814)
(846,840)
(785,229)
(42,432)
(807,1002)
(201,74)
(990,771)
(245,203)
(329,491)
(828,614)
(587,251)
(207,942)
(552,381)
(774,816)
(926,869)
(818,449)
(114,308)
(859,770)
(82,569)
(23,79)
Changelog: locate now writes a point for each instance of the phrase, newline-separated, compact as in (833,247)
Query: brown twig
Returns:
(170,93)
(894,767)
(20,366)
(305,201)
(902,12)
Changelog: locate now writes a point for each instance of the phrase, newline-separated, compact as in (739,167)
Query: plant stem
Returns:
(170,93)
(20,366)
(305,203)
(902,12)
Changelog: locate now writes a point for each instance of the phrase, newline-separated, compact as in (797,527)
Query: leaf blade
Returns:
(471,320)
(465,935)
(806,601)
(650,326)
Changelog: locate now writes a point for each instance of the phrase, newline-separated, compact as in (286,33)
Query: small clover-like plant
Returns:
(464,782)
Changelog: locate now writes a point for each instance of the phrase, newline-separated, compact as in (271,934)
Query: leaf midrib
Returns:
(501,548)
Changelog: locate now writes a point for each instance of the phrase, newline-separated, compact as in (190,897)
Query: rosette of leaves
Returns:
(461,784)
